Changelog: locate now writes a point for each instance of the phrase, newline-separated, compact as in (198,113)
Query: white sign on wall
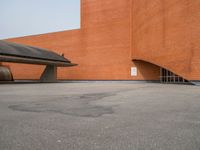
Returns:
(133,71)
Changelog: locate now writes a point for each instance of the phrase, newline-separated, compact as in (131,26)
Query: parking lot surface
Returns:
(99,116)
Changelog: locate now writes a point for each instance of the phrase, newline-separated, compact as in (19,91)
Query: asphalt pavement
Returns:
(99,116)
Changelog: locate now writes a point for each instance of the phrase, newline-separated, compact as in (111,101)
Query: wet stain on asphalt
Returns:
(76,105)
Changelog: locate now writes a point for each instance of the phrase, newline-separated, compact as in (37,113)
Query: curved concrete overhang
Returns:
(18,53)
(12,52)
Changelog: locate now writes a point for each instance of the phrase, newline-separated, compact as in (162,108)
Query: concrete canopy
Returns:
(12,52)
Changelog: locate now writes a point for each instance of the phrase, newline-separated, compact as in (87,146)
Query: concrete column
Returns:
(49,75)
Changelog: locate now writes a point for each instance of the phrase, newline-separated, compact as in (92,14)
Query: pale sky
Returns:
(29,17)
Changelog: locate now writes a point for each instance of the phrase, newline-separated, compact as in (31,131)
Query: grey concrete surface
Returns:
(99,116)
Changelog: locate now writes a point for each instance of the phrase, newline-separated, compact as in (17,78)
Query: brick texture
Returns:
(114,33)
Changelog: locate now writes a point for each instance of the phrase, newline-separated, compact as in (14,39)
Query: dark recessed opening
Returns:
(167,76)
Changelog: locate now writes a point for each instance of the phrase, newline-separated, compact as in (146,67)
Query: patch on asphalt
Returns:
(76,105)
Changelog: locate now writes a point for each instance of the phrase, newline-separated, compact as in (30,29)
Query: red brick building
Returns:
(117,35)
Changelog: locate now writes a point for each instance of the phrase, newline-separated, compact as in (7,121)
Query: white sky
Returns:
(29,17)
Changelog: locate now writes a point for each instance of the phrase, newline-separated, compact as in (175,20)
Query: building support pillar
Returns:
(49,75)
